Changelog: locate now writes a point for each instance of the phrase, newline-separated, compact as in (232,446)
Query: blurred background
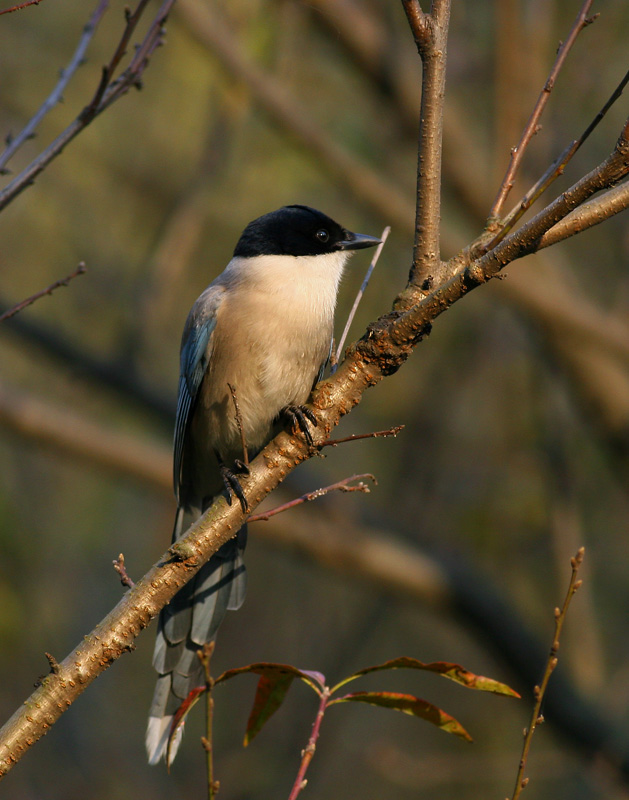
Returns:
(516,445)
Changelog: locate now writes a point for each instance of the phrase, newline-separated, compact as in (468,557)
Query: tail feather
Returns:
(189,621)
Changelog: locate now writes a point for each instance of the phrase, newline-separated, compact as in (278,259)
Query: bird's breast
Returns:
(269,347)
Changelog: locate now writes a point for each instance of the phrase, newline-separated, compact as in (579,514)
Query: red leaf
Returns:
(453,672)
(275,681)
(180,717)
(313,679)
(270,694)
(408,704)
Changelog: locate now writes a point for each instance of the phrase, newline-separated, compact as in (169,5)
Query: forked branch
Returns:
(108,91)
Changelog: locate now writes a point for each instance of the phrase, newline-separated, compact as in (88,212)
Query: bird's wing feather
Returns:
(196,349)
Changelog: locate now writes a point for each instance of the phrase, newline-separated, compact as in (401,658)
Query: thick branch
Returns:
(431,36)
(389,565)
(115,634)
(589,214)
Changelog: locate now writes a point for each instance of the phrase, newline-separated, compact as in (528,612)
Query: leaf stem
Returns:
(205,655)
(308,752)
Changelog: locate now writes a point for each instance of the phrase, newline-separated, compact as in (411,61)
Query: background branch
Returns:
(56,95)
(107,93)
(80,270)
(532,126)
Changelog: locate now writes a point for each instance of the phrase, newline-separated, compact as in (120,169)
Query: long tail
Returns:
(189,621)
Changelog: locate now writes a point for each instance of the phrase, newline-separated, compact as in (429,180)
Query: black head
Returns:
(298,231)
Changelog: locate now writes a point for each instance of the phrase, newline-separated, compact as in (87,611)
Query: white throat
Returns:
(305,282)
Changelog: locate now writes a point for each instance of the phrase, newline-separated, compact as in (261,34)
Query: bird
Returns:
(264,326)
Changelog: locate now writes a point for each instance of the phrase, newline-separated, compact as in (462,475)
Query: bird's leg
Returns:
(231,482)
(298,417)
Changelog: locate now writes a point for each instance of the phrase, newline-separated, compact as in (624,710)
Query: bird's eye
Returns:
(322,235)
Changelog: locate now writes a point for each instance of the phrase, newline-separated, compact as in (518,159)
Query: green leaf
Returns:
(408,704)
(454,672)
(180,717)
(270,694)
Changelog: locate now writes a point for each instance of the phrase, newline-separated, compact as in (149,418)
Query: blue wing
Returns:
(196,349)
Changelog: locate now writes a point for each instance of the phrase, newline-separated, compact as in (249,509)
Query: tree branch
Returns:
(342,486)
(532,126)
(554,171)
(589,214)
(57,93)
(431,37)
(388,565)
(80,270)
(383,349)
(20,7)
(108,92)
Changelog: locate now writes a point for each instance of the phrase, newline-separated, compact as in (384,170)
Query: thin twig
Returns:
(308,752)
(341,486)
(20,6)
(532,126)
(551,663)
(245,451)
(205,655)
(356,436)
(555,170)
(132,19)
(80,270)
(57,93)
(384,236)
(526,239)
(121,569)
(112,92)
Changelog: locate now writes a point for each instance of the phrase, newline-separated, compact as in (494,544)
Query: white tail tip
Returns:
(157,732)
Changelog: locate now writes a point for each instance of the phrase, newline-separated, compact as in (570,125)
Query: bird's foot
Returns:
(298,417)
(232,484)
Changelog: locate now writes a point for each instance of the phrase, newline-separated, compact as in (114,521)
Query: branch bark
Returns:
(431,37)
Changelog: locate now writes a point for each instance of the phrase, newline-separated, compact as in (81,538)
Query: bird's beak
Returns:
(357,241)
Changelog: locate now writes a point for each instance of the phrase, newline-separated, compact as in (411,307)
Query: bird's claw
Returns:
(298,417)
(232,484)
